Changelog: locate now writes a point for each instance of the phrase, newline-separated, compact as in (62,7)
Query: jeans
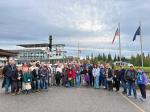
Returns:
(124,86)
(44,83)
(131,86)
(101,81)
(96,85)
(38,82)
(7,84)
(78,80)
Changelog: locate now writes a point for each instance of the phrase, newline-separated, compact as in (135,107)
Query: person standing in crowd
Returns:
(44,77)
(105,77)
(142,81)
(123,81)
(49,74)
(14,77)
(70,74)
(86,75)
(10,77)
(109,78)
(117,79)
(131,78)
(27,79)
(36,77)
(78,76)
(75,68)
(64,75)
(19,80)
(101,78)
(96,73)
(92,82)
(58,75)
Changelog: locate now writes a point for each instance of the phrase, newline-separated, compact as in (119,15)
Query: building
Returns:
(117,63)
(4,56)
(45,52)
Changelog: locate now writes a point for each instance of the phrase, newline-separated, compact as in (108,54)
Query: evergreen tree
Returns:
(115,58)
(109,58)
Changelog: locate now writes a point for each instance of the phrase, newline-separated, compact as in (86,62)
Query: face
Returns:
(131,68)
(139,68)
(10,61)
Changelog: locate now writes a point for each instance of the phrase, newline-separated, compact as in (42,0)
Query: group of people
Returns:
(38,76)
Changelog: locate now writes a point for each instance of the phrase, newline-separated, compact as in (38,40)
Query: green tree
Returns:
(109,58)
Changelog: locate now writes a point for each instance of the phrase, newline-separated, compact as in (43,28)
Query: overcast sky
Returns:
(91,22)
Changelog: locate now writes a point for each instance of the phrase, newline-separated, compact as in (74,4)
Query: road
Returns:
(60,99)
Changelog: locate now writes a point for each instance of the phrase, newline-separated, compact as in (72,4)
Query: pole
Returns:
(119,42)
(141,42)
(78,50)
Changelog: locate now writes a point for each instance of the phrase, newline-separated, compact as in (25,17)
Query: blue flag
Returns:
(138,32)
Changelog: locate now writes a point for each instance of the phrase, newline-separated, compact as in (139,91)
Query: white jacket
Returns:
(96,72)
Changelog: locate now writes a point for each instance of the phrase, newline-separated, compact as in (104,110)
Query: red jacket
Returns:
(71,74)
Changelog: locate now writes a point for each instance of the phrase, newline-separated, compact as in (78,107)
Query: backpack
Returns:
(140,78)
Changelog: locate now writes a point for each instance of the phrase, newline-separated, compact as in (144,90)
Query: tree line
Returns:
(135,60)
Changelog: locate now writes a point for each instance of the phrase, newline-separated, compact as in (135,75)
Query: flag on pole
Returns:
(138,32)
(116,34)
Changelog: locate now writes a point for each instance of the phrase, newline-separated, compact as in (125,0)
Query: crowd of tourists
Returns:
(37,77)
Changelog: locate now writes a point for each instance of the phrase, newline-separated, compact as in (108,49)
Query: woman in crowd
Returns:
(27,79)
(71,74)
(142,81)
(86,76)
(96,73)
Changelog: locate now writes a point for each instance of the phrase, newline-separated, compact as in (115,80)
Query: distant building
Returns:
(46,52)
(117,63)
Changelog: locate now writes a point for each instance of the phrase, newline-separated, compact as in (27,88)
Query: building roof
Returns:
(5,53)
(40,45)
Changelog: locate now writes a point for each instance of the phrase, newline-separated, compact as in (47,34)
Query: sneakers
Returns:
(142,99)
(129,96)
(13,94)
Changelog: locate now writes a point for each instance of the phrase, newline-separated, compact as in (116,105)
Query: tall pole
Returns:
(141,42)
(78,50)
(119,42)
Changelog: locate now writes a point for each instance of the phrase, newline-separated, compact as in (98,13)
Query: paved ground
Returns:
(60,99)
(67,100)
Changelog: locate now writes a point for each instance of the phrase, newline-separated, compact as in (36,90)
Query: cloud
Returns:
(92,23)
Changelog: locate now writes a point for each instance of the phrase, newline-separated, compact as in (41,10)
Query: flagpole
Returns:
(119,43)
(141,42)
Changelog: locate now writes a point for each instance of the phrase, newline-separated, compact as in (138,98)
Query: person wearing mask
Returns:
(131,75)
(142,81)
(96,73)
